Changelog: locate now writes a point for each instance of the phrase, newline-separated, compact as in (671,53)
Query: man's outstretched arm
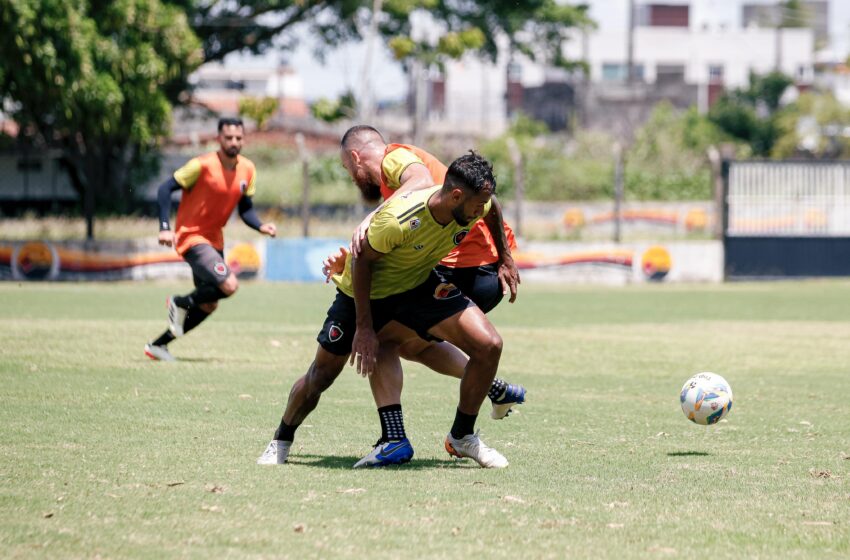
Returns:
(508,273)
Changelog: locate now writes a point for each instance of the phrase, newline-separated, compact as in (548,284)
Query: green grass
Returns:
(107,454)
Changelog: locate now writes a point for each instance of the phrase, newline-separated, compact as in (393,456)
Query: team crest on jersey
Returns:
(415,223)
(446,290)
(220,268)
(335,333)
(460,236)
(243,186)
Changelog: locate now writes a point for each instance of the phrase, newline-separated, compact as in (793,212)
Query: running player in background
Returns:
(213,185)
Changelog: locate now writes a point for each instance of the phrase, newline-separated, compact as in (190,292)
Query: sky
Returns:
(343,68)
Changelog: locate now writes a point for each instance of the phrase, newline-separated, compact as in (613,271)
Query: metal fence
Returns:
(787,219)
(788,199)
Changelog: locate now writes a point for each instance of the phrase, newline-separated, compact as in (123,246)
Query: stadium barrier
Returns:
(624,263)
(300,260)
(112,260)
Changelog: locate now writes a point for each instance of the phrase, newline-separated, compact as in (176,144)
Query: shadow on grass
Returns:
(336,462)
(688,454)
(198,360)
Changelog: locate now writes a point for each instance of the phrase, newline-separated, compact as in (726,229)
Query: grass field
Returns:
(106,454)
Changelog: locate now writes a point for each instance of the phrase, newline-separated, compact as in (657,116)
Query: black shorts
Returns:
(478,283)
(208,266)
(418,309)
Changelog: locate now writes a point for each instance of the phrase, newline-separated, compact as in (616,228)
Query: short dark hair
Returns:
(228,121)
(358,131)
(470,171)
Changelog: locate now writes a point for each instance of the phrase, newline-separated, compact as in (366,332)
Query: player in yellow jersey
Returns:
(391,292)
(482,270)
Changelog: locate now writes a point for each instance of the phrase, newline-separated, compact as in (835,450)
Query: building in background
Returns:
(685,52)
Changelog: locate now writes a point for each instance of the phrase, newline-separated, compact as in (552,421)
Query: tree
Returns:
(749,114)
(537,28)
(815,126)
(95,79)
(259,109)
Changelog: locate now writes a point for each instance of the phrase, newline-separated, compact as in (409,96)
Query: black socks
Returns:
(497,389)
(464,424)
(392,423)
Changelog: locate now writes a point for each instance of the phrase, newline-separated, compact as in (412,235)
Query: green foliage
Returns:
(749,114)
(553,170)
(260,110)
(331,111)
(814,126)
(537,27)
(667,161)
(668,158)
(96,79)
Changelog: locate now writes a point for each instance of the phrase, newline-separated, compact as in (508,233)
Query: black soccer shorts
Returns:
(419,309)
(208,266)
(478,283)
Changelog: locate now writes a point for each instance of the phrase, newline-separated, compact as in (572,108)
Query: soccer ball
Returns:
(706,398)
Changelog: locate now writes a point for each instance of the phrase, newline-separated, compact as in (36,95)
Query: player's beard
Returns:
(232,151)
(459,216)
(368,190)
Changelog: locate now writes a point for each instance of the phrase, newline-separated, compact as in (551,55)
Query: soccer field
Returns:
(107,454)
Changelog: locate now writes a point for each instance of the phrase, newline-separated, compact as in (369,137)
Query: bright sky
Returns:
(343,68)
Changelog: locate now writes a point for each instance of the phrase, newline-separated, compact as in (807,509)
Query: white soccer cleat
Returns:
(176,317)
(471,446)
(276,453)
(159,353)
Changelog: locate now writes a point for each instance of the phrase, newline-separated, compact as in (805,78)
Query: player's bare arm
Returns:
(508,273)
(415,177)
(364,348)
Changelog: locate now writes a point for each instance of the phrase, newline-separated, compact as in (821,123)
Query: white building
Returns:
(700,43)
(221,86)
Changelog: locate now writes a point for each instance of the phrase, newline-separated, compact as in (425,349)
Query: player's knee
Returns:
(320,379)
(208,307)
(489,347)
(229,286)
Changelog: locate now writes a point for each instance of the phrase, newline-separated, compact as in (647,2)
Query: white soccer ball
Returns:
(706,398)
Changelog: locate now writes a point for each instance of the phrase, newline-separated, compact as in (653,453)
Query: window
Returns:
(619,72)
(715,73)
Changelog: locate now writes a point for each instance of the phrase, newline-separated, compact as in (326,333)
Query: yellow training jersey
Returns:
(412,243)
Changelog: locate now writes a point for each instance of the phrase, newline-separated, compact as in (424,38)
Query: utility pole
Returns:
(366,105)
(630,45)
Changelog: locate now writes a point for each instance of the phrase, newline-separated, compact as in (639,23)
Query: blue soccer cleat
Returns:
(387,453)
(514,394)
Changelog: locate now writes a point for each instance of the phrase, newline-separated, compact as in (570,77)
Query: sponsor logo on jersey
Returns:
(220,268)
(335,333)
(460,236)
(446,290)
(415,223)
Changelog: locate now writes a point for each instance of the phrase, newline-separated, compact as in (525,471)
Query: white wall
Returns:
(738,51)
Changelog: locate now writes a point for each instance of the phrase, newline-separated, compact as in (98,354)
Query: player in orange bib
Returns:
(213,185)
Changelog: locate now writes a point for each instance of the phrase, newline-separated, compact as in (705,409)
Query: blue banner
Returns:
(300,259)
